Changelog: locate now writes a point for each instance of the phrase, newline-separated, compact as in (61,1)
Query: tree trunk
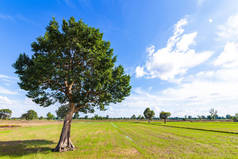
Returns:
(65,143)
(164,121)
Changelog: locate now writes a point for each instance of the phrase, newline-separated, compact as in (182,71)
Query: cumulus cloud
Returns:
(175,59)
(6,91)
(229,57)
(5,100)
(229,30)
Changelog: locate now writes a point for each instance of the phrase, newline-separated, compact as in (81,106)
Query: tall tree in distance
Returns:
(213,113)
(72,65)
(164,115)
(149,114)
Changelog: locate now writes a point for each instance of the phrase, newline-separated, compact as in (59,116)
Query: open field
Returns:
(114,139)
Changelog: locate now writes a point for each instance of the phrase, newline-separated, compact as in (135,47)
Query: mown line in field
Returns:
(131,140)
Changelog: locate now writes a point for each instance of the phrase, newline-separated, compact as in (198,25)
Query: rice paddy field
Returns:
(120,139)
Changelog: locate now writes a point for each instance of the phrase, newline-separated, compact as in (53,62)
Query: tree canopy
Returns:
(30,115)
(50,116)
(149,114)
(72,64)
(164,115)
(5,113)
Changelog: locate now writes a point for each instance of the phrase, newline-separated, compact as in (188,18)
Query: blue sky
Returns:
(182,55)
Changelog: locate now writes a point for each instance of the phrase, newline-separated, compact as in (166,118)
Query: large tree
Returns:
(72,65)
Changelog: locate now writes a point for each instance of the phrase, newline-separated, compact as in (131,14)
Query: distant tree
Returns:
(133,116)
(50,116)
(149,114)
(62,111)
(199,117)
(213,113)
(76,115)
(209,117)
(107,117)
(41,118)
(85,117)
(190,117)
(30,115)
(235,118)
(139,117)
(228,116)
(164,115)
(5,113)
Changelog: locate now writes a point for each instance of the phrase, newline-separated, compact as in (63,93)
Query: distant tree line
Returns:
(148,115)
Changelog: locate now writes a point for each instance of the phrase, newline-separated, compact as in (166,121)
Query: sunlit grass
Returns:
(115,139)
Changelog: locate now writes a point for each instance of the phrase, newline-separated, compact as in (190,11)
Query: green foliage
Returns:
(140,117)
(133,116)
(228,116)
(164,115)
(5,113)
(62,111)
(50,116)
(235,118)
(41,118)
(72,64)
(30,115)
(149,114)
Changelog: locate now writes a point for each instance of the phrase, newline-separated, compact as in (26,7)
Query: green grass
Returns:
(124,140)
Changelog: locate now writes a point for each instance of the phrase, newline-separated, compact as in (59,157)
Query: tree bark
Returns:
(164,121)
(65,143)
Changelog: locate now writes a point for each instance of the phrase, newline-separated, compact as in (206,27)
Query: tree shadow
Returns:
(24,147)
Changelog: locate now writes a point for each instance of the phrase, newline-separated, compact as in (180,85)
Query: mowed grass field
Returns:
(114,139)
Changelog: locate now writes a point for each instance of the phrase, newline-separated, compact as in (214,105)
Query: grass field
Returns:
(113,139)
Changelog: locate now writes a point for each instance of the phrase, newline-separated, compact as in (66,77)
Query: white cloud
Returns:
(139,71)
(185,41)
(175,59)
(5,100)
(229,57)
(229,30)
(200,2)
(6,91)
